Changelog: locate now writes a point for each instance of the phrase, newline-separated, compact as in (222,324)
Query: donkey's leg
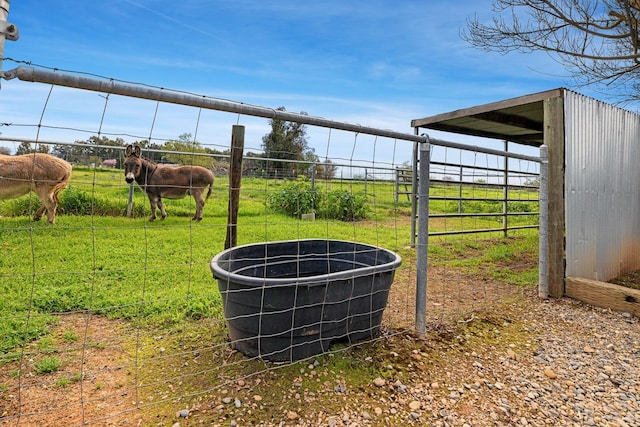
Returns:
(153,201)
(162,211)
(49,204)
(198,197)
(38,214)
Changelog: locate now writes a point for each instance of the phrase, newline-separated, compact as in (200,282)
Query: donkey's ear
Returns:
(138,151)
(128,150)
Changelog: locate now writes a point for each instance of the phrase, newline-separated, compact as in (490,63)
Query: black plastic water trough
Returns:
(289,300)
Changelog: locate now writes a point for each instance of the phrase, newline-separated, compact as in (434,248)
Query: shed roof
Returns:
(518,119)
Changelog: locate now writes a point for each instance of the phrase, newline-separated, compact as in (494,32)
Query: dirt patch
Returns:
(111,369)
(78,374)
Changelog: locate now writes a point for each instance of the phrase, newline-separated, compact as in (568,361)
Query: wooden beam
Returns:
(602,294)
(554,139)
(533,138)
(511,120)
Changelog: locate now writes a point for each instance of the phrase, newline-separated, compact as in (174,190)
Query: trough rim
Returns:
(320,279)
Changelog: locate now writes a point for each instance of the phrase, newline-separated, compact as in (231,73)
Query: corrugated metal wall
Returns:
(602,189)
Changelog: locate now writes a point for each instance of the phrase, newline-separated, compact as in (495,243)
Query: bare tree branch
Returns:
(597,41)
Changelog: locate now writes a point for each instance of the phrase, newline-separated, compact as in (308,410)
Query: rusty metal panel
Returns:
(602,189)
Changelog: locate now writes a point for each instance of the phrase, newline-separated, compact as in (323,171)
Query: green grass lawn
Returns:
(95,258)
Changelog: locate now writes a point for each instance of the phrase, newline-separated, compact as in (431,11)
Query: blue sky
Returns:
(377,63)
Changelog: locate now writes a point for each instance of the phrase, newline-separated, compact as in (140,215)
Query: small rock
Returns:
(379,382)
(588,349)
(414,405)
(550,374)
(340,388)
(292,415)
(401,388)
(182,414)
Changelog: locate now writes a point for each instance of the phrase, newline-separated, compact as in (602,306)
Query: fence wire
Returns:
(122,318)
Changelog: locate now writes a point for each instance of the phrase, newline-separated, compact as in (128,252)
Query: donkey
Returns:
(170,182)
(44,174)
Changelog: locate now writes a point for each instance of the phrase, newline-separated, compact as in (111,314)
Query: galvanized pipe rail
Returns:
(112,86)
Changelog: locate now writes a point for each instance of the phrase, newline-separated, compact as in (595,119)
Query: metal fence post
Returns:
(423,239)
(7,30)
(505,193)
(414,191)
(543,233)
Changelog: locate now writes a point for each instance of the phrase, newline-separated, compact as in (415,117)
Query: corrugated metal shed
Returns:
(594,182)
(602,190)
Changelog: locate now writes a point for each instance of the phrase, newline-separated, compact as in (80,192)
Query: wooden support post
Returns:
(554,139)
(235,182)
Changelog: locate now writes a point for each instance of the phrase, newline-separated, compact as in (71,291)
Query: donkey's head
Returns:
(132,163)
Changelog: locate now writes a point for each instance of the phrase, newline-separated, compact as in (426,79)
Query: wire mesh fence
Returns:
(110,317)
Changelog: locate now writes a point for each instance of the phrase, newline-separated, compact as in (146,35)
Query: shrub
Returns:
(295,199)
(298,198)
(344,206)
(74,201)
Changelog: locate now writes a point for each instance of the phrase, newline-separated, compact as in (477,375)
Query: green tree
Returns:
(326,170)
(597,41)
(25,148)
(156,155)
(287,141)
(62,151)
(103,150)
(92,151)
(185,150)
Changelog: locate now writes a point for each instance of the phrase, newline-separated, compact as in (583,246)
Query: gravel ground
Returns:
(568,364)
(583,369)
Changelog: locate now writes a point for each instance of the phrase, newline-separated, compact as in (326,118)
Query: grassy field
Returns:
(102,315)
(96,259)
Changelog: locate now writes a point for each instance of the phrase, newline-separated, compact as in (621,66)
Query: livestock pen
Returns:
(122,317)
